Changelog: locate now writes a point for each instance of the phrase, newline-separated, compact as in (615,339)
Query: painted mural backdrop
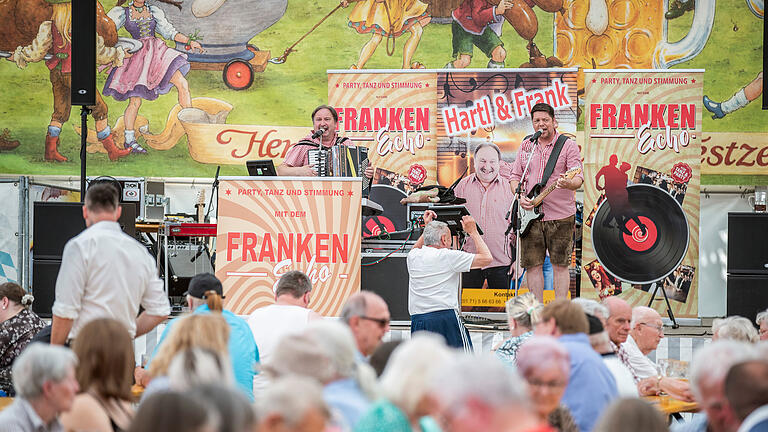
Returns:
(641,186)
(202,83)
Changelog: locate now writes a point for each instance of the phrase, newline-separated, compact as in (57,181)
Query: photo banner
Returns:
(267,227)
(642,162)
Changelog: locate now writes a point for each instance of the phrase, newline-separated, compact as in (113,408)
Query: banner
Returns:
(267,227)
(642,154)
(394,115)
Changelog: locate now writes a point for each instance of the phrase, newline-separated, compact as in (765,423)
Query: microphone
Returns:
(321,131)
(528,144)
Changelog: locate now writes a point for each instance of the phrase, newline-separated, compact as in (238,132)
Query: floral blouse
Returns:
(507,352)
(15,335)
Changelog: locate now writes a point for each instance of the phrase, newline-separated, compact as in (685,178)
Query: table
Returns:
(4,402)
(669,405)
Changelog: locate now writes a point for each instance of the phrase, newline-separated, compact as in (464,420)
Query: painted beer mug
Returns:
(626,34)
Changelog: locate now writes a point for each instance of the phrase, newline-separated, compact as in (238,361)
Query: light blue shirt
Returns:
(346,397)
(242,348)
(591,386)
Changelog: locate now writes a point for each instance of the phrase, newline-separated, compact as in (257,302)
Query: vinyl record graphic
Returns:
(638,257)
(395,214)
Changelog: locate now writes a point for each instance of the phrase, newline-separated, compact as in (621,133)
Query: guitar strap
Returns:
(553,159)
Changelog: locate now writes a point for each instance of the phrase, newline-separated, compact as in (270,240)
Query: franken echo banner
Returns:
(642,156)
(267,227)
(421,127)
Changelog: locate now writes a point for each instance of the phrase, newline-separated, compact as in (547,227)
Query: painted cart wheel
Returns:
(238,74)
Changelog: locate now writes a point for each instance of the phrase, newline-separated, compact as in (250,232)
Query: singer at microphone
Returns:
(552,234)
(325,121)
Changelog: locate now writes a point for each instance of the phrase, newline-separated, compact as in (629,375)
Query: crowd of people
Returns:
(570,365)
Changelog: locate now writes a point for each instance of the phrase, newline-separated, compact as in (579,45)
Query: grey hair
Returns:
(40,363)
(639,313)
(484,378)
(712,361)
(300,354)
(291,398)
(433,232)
(339,345)
(486,144)
(356,306)
(762,316)
(592,307)
(735,328)
(199,366)
(411,369)
(236,413)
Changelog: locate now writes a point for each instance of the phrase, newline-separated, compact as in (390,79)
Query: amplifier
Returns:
(389,279)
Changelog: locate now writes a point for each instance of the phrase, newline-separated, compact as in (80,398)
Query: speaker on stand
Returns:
(83,76)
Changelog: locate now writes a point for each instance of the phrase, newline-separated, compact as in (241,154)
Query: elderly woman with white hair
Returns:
(405,384)
(326,352)
(546,366)
(44,377)
(734,328)
(762,323)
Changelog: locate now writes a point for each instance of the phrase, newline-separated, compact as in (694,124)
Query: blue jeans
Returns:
(549,276)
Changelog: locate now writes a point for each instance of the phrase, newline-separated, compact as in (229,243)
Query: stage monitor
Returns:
(261,167)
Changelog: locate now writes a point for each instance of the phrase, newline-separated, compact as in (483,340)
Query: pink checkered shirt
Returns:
(489,208)
(561,202)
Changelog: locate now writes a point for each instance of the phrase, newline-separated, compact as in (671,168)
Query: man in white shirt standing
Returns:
(434,271)
(106,273)
(289,315)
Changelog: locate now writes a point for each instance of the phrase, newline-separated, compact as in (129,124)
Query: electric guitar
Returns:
(537,196)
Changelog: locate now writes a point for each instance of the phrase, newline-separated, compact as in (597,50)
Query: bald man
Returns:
(618,321)
(367,315)
(646,331)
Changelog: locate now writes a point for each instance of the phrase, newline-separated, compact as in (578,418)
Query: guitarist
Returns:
(554,232)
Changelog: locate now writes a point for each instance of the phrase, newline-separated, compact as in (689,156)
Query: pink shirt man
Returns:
(560,203)
(489,207)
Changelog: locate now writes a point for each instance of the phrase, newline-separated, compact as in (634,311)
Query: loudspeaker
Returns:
(747,295)
(747,245)
(83,52)
(389,279)
(185,260)
(53,224)
(44,273)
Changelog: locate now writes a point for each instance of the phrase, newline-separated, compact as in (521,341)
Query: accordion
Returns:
(341,161)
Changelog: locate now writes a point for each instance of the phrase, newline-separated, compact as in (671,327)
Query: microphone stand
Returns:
(514,223)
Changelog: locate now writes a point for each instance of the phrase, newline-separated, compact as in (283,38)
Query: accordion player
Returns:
(341,161)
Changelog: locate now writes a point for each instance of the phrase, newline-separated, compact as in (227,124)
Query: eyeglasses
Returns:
(659,329)
(547,384)
(382,322)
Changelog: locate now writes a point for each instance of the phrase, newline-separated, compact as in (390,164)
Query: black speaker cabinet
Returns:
(748,243)
(389,279)
(747,295)
(83,52)
(54,223)
(44,273)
